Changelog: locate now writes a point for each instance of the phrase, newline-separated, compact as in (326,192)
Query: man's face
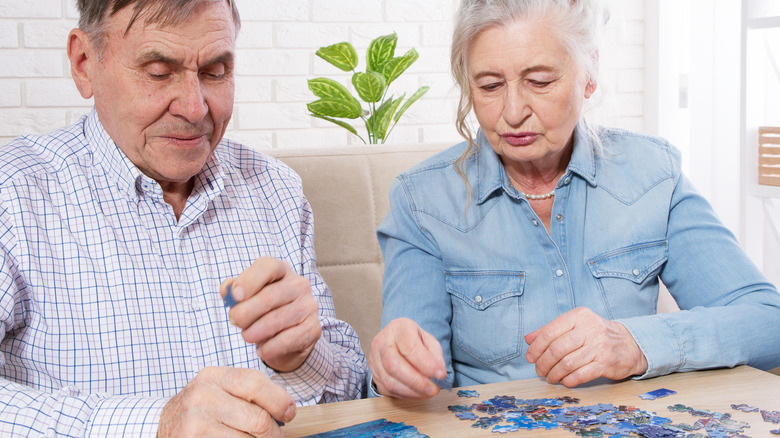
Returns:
(165,93)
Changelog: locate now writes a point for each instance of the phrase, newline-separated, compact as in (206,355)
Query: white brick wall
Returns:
(275,53)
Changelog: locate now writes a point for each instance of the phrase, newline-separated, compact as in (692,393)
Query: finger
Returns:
(263,271)
(561,349)
(287,350)
(586,373)
(264,316)
(547,334)
(396,377)
(291,290)
(436,353)
(243,418)
(255,387)
(568,363)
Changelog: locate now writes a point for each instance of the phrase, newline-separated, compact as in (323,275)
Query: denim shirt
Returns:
(480,275)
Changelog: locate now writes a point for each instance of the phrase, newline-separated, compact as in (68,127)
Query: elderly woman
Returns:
(536,246)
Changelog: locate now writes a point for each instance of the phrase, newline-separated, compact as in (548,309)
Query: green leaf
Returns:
(370,85)
(341,123)
(380,120)
(394,67)
(342,55)
(335,99)
(380,51)
(417,94)
(325,88)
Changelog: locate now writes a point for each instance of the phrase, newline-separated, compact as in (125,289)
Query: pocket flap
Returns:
(480,289)
(633,262)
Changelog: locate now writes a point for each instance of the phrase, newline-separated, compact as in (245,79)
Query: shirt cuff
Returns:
(372,390)
(658,341)
(126,416)
(307,383)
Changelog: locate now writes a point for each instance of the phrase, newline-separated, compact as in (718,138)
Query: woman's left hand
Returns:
(580,346)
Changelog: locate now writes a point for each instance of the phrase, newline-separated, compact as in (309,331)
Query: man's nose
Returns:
(189,101)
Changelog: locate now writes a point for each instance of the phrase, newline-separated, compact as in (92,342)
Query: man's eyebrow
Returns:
(150,56)
(156,56)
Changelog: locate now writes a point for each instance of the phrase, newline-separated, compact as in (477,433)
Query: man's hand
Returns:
(277,311)
(580,346)
(227,402)
(404,358)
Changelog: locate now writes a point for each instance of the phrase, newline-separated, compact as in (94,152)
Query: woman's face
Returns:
(527,91)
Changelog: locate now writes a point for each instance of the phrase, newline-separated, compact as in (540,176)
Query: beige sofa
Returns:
(348,191)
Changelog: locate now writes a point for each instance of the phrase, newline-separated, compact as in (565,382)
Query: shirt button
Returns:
(536,223)
(635,272)
(559,217)
(559,273)
(478,298)
(567,180)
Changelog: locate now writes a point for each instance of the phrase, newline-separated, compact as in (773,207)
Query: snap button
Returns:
(536,223)
(567,180)
(635,272)
(559,217)
(478,298)
(559,272)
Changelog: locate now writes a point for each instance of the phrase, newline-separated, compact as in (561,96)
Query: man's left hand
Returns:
(277,311)
(580,346)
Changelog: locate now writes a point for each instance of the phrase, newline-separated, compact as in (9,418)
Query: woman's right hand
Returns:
(404,358)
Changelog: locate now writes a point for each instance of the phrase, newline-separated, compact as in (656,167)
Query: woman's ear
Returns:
(590,88)
(82,60)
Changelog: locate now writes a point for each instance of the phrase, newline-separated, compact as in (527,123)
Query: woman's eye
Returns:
(539,84)
(491,87)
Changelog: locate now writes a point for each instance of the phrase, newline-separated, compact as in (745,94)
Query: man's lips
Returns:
(520,138)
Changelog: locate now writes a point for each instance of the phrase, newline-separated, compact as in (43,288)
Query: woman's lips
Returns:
(520,138)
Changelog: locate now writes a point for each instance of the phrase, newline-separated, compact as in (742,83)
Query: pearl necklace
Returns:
(532,197)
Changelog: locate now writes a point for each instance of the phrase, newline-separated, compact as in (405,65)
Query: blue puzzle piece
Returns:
(658,393)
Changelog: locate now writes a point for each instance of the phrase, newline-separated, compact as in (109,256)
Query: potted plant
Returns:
(382,68)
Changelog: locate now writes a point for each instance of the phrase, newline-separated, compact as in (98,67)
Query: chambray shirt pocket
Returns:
(628,277)
(487,313)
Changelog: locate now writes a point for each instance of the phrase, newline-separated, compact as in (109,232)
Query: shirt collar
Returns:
(129,180)
(490,173)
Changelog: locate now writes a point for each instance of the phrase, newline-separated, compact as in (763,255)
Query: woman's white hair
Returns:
(578,24)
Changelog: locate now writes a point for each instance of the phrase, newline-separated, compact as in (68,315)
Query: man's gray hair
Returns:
(93,14)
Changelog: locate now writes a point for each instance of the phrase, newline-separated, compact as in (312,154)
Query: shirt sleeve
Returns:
(412,257)
(730,313)
(335,369)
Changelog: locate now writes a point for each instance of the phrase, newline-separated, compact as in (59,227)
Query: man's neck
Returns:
(176,194)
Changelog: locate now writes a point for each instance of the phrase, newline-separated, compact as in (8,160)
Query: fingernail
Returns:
(289,414)
(230,320)
(238,293)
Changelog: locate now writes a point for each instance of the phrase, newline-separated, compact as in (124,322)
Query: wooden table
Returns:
(713,390)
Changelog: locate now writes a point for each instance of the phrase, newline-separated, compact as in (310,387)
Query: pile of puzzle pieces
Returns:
(504,414)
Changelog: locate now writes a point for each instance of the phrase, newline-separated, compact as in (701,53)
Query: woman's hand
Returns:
(580,346)
(404,358)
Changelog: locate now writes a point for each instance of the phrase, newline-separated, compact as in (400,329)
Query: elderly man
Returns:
(121,234)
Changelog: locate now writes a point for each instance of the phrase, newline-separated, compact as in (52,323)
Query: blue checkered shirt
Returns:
(109,306)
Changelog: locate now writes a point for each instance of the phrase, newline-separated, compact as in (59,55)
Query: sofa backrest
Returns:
(348,192)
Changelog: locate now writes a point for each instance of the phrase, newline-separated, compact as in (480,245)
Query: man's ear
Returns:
(82,60)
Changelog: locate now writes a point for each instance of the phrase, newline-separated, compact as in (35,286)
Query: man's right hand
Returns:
(225,402)
(404,358)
